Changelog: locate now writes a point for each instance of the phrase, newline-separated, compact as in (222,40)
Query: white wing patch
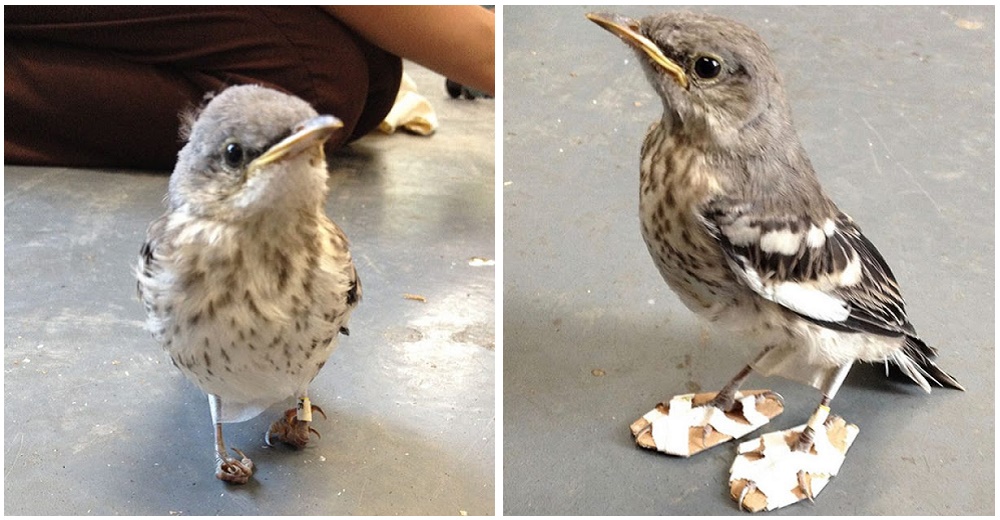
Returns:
(852,273)
(811,302)
(815,237)
(803,298)
(780,241)
(829,227)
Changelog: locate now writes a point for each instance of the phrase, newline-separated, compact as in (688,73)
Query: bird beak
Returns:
(310,134)
(628,30)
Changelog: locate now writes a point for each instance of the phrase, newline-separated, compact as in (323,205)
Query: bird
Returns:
(245,281)
(736,221)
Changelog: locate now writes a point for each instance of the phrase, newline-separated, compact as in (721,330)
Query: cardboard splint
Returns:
(765,474)
(686,425)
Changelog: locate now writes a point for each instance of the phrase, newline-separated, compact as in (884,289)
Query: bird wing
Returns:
(148,271)
(339,249)
(826,272)
(149,264)
(354,293)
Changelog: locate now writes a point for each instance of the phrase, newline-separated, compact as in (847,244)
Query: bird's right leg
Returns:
(227,468)
(691,423)
(726,398)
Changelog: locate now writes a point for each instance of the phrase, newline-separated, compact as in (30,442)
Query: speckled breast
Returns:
(673,186)
(248,320)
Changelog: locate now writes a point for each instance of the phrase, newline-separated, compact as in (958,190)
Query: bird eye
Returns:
(706,67)
(233,155)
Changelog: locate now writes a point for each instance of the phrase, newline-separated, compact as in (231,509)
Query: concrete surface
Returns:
(896,108)
(97,421)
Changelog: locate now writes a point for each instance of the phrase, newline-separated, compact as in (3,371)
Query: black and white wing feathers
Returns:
(827,272)
(149,271)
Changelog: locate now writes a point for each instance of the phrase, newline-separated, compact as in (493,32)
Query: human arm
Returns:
(455,41)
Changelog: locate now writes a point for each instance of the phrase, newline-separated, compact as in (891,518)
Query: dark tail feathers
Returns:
(914,359)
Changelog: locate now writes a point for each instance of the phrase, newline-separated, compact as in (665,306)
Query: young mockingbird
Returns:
(245,280)
(738,225)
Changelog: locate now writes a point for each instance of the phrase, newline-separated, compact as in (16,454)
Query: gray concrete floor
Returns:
(97,421)
(896,108)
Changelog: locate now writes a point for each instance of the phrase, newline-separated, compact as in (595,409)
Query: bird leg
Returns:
(788,466)
(691,423)
(227,469)
(294,427)
(723,400)
(726,398)
(822,414)
(807,439)
(819,417)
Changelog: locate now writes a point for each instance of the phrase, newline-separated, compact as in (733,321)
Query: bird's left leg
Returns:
(691,423)
(781,468)
(295,425)
(820,420)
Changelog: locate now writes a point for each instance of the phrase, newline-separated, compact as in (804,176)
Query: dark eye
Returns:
(233,155)
(707,67)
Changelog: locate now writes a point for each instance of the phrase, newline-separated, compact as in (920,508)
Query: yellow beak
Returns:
(313,133)
(628,30)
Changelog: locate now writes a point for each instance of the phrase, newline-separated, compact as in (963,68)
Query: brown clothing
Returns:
(103,86)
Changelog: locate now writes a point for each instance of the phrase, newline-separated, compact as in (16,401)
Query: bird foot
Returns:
(692,423)
(232,470)
(776,470)
(291,430)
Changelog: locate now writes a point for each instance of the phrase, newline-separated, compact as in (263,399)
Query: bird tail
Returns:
(914,359)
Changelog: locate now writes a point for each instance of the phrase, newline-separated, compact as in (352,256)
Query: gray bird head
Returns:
(715,76)
(252,151)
